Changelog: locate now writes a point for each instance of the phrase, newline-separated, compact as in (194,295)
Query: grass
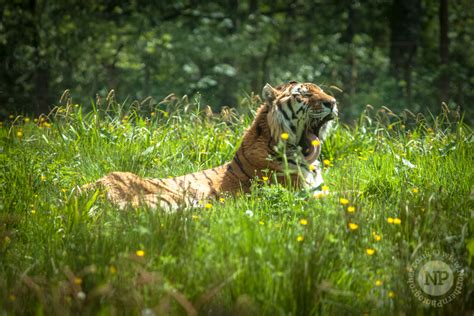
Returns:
(399,184)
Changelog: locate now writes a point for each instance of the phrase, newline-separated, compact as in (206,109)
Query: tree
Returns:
(443,50)
(404,36)
(395,53)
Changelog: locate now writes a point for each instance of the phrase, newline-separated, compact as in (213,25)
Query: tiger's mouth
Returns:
(310,145)
(310,142)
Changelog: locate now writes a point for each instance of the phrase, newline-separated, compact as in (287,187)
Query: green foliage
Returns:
(221,49)
(270,251)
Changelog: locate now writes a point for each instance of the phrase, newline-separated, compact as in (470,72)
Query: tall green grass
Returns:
(407,180)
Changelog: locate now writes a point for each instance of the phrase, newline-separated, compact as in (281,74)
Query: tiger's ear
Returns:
(269,93)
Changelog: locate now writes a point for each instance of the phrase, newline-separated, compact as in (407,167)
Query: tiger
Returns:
(297,115)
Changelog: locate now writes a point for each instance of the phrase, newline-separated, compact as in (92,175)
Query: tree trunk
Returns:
(41,72)
(405,26)
(443,51)
(42,89)
(348,38)
(443,34)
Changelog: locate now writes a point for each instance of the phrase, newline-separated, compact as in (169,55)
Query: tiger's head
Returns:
(304,112)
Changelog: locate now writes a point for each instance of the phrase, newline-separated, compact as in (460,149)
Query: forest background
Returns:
(402,54)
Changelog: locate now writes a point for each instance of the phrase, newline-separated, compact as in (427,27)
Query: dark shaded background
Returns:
(401,54)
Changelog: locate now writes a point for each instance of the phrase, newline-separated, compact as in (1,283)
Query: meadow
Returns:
(398,184)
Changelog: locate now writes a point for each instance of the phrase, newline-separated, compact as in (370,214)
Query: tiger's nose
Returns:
(330,104)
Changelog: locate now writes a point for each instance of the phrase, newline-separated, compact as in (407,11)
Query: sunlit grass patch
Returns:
(388,193)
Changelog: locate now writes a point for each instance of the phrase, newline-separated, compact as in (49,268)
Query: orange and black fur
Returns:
(301,111)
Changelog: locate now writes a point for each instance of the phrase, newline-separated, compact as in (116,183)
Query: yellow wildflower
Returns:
(390,127)
(370,251)
(327,162)
(378,282)
(26,119)
(140,253)
(316,142)
(208,206)
(221,200)
(195,217)
(299,238)
(112,269)
(377,237)
(264,178)
(312,167)
(19,134)
(353,226)
(397,221)
(351,209)
(153,114)
(43,178)
(77,281)
(325,188)
(33,212)
(11,117)
(303,221)
(344,201)
(284,136)
(391,294)
(261,222)
(415,190)
(390,220)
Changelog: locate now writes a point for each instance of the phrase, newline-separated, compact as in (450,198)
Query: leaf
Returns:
(92,200)
(148,151)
